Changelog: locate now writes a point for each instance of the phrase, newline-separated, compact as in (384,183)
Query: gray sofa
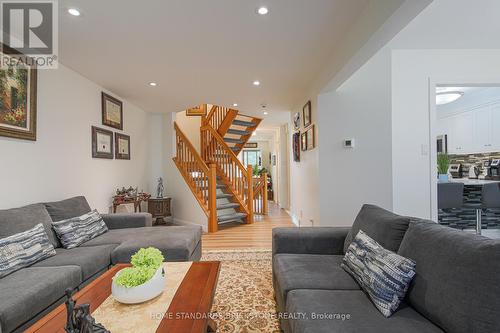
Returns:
(28,294)
(456,287)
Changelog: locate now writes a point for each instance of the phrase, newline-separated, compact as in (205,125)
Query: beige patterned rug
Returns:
(244,301)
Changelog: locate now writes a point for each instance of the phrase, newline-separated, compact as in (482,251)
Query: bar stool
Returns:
(450,195)
(490,198)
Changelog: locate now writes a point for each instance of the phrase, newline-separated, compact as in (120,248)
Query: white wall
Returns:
(359,110)
(59,164)
(190,126)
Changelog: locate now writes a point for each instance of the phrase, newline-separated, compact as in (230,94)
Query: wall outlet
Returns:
(348,143)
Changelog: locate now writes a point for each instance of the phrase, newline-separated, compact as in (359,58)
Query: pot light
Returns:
(262,11)
(235,104)
(74,11)
(448,97)
(254,133)
(266,113)
(153,84)
(256,83)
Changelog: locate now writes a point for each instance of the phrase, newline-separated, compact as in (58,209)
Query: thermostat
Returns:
(348,143)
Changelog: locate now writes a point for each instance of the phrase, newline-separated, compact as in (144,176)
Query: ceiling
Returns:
(204,51)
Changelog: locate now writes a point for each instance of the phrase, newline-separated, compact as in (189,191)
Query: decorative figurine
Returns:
(79,319)
(159,188)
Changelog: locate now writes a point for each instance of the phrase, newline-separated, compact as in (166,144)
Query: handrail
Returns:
(219,119)
(200,177)
(232,171)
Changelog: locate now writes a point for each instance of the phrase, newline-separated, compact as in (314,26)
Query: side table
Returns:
(159,208)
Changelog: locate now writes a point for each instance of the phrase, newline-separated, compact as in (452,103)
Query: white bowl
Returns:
(142,293)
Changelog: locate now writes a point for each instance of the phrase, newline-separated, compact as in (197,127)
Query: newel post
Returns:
(250,194)
(212,198)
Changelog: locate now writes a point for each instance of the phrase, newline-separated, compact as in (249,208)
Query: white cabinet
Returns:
(482,129)
(460,138)
(495,127)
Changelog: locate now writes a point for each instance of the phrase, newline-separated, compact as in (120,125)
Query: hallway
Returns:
(257,235)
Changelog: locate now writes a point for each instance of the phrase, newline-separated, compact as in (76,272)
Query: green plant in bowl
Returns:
(150,257)
(145,263)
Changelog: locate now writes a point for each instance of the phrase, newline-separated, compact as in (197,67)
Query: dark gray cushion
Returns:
(309,271)
(364,317)
(127,220)
(16,220)
(309,240)
(27,292)
(386,228)
(176,243)
(91,259)
(66,209)
(457,284)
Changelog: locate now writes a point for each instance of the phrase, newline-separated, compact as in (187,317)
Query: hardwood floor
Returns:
(256,235)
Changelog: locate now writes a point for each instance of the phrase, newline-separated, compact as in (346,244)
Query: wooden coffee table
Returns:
(194,295)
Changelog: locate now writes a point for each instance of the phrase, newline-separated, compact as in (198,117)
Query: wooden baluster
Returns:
(212,199)
(250,194)
(265,207)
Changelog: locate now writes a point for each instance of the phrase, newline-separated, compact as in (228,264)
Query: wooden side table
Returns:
(159,208)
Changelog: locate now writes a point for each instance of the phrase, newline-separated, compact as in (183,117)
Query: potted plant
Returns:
(443,164)
(143,281)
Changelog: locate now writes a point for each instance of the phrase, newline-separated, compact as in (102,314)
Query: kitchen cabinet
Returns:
(460,133)
(482,128)
(495,127)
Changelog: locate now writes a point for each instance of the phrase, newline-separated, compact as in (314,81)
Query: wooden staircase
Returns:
(223,186)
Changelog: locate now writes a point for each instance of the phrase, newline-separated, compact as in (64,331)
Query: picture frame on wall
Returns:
(251,145)
(102,143)
(296,121)
(303,141)
(296,147)
(197,111)
(18,97)
(306,114)
(273,161)
(310,138)
(122,146)
(112,111)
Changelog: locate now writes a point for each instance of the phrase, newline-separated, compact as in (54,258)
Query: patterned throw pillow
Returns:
(384,275)
(78,230)
(24,249)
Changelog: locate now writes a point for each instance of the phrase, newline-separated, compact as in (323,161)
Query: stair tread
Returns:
(231,217)
(243,123)
(224,195)
(233,140)
(237,132)
(227,205)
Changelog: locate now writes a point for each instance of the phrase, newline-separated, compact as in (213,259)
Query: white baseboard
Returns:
(184,222)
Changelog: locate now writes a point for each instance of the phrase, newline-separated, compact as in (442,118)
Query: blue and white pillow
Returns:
(384,275)
(78,230)
(24,249)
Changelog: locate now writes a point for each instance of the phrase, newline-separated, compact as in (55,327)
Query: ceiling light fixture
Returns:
(256,83)
(153,84)
(254,133)
(74,11)
(235,104)
(262,11)
(266,113)
(448,97)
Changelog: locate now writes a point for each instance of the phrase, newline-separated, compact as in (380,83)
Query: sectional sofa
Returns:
(456,288)
(28,294)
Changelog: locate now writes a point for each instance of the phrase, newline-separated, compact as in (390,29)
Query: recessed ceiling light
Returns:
(262,11)
(153,84)
(256,83)
(74,11)
(235,104)
(448,97)
(254,133)
(266,113)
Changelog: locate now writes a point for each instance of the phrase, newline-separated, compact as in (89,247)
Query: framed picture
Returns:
(197,111)
(112,111)
(102,143)
(306,114)
(303,141)
(296,147)
(296,121)
(310,137)
(273,162)
(17,97)
(251,145)
(122,146)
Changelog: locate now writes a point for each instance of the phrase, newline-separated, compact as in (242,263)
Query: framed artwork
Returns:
(122,146)
(306,114)
(17,98)
(303,141)
(296,147)
(102,143)
(197,111)
(310,137)
(251,145)
(296,121)
(274,160)
(112,111)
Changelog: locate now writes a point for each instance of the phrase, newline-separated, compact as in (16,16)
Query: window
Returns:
(252,157)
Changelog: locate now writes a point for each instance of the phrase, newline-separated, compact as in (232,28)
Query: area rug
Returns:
(244,301)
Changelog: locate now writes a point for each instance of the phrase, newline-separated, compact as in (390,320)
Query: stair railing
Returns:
(231,171)
(260,204)
(220,118)
(200,177)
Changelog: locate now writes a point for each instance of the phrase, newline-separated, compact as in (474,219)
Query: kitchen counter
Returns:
(471,182)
